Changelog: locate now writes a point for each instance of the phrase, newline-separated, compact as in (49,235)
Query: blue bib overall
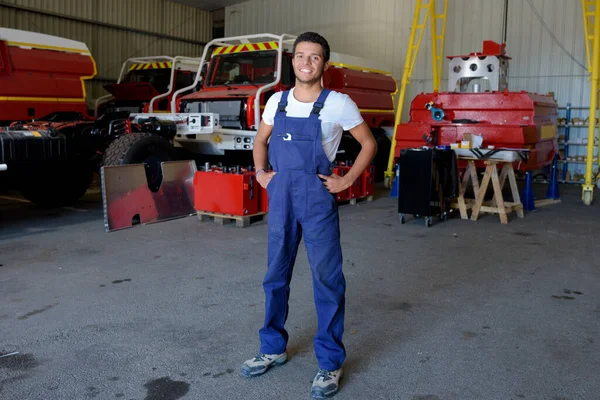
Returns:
(301,206)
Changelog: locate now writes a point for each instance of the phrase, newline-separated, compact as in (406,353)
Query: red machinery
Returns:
(232,193)
(235,191)
(478,102)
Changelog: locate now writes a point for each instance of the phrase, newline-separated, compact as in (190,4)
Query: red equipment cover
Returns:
(35,82)
(367,179)
(226,193)
(516,120)
(263,199)
(341,171)
(355,191)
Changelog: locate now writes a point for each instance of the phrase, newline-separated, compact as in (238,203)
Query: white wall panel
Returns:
(380,29)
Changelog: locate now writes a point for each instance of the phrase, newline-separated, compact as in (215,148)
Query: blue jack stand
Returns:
(527,196)
(552,192)
(396,184)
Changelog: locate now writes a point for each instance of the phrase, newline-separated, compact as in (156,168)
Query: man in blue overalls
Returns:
(305,126)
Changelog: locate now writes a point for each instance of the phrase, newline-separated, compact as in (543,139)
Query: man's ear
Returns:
(326,66)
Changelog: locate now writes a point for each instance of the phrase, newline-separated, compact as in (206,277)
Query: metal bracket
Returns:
(125,194)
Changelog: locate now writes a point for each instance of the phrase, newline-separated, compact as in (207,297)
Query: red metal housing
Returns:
(367,182)
(518,120)
(226,193)
(504,119)
(41,74)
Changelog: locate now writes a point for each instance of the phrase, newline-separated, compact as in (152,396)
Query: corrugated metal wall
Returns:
(183,29)
(380,29)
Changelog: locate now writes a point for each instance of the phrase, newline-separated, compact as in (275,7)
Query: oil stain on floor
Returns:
(166,389)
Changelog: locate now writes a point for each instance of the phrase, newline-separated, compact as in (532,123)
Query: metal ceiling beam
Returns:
(97,23)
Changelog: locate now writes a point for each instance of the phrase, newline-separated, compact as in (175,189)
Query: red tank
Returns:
(41,74)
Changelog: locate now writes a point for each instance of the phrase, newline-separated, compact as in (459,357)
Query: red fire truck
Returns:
(42,80)
(49,145)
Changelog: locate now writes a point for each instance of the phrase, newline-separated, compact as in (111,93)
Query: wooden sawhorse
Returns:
(497,205)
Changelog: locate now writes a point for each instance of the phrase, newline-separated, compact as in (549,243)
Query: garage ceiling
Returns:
(209,5)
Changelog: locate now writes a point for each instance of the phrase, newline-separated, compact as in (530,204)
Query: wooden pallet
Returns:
(356,200)
(222,219)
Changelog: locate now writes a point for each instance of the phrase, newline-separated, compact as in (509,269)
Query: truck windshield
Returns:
(253,67)
(159,78)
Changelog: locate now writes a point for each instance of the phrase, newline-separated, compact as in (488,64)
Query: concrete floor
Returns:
(461,310)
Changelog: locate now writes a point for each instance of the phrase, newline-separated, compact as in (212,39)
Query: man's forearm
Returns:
(260,155)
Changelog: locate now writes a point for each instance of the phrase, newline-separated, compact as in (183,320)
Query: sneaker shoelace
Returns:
(260,358)
(324,375)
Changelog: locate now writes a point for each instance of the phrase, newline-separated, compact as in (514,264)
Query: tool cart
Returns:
(428,180)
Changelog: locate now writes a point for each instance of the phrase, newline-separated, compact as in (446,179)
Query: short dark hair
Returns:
(313,37)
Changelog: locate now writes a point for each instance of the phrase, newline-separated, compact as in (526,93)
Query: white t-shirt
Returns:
(339,114)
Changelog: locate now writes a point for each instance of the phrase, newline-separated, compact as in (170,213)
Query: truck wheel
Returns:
(141,148)
(383,151)
(55,184)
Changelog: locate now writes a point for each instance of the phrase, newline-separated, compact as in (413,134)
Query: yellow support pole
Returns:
(434,45)
(440,50)
(587,22)
(409,61)
(588,187)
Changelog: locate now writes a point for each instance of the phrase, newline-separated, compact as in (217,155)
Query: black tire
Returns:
(55,184)
(383,152)
(428,222)
(141,148)
(350,148)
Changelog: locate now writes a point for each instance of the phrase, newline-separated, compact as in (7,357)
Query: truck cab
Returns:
(147,84)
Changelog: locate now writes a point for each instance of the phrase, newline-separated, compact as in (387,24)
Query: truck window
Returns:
(288,77)
(183,79)
(245,68)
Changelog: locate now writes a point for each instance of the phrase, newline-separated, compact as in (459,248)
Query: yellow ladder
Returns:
(423,10)
(591,28)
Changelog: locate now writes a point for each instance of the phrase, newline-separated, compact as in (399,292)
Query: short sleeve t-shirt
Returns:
(339,114)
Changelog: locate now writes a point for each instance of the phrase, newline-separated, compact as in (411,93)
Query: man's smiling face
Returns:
(309,62)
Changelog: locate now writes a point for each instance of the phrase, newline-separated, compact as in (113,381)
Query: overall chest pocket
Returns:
(291,137)
(297,154)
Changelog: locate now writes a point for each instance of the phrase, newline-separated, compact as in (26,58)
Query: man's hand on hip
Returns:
(265,177)
(335,183)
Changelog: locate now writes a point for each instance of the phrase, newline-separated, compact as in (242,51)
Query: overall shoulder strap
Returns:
(318,106)
(283,102)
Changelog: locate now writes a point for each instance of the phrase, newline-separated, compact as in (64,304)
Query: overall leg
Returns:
(276,284)
(322,240)
(284,237)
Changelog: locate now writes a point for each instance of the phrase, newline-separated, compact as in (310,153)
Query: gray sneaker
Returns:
(326,384)
(261,363)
